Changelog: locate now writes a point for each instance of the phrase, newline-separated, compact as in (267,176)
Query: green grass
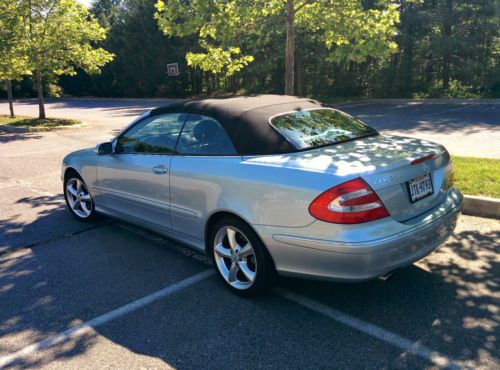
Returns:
(477,176)
(31,122)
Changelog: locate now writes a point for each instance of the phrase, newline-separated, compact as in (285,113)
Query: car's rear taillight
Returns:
(349,203)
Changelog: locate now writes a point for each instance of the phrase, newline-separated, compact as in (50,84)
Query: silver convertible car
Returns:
(271,183)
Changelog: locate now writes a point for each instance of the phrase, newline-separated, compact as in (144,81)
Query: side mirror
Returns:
(104,148)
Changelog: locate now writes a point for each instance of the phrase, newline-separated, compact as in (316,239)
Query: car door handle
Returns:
(160,170)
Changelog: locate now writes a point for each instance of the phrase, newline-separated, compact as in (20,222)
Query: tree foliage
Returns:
(456,41)
(49,38)
(13,59)
(60,35)
(349,31)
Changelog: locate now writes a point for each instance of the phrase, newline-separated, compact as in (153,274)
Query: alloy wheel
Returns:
(79,198)
(235,258)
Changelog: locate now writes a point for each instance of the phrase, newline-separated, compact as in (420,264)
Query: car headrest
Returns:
(205,129)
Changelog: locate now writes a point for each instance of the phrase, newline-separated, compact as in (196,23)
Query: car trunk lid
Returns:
(387,164)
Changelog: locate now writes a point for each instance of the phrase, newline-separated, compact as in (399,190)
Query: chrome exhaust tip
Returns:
(386,277)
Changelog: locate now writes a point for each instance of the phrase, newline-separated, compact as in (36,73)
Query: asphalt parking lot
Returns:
(111,295)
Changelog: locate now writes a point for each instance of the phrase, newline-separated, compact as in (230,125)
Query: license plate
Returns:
(420,187)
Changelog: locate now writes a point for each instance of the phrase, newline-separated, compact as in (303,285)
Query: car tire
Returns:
(240,258)
(78,198)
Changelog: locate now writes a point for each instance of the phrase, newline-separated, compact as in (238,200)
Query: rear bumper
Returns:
(360,252)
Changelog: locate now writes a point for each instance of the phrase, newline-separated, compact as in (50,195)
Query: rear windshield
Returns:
(312,128)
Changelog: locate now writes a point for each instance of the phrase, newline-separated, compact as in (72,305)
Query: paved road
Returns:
(72,294)
(465,127)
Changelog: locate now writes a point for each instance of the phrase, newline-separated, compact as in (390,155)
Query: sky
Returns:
(86,2)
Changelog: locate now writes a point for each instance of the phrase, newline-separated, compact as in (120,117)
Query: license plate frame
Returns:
(418,194)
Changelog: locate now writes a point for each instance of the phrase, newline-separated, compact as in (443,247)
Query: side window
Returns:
(154,135)
(203,135)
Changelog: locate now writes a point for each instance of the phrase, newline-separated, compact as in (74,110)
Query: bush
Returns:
(455,90)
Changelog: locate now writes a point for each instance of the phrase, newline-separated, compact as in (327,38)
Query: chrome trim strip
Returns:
(182,212)
(131,198)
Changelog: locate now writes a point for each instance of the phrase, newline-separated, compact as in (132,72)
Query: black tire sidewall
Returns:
(265,267)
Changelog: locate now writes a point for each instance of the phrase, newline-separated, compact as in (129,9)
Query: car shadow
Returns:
(51,221)
(448,302)
(6,137)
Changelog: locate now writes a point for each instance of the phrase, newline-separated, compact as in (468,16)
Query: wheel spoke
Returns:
(84,208)
(231,237)
(78,186)
(75,205)
(222,251)
(249,274)
(71,190)
(246,251)
(233,271)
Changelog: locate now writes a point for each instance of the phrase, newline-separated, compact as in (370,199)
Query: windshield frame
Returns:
(373,133)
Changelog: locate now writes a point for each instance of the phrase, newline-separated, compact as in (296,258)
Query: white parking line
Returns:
(374,331)
(447,110)
(88,326)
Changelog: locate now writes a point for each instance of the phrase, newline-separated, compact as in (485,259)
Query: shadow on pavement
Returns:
(121,107)
(430,118)
(52,220)
(6,137)
(449,303)
(74,272)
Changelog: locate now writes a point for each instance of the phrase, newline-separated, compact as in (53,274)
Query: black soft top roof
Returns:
(246,119)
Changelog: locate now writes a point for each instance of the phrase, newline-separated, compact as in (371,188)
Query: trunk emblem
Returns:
(387,179)
(424,167)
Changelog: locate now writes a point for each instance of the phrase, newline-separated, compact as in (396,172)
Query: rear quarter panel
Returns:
(261,190)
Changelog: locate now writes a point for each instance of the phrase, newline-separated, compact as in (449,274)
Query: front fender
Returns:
(85,163)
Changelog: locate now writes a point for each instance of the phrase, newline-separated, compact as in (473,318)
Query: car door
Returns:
(203,153)
(133,181)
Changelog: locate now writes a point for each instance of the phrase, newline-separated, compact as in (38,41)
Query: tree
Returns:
(13,61)
(60,35)
(350,32)
(140,66)
(447,47)
(426,55)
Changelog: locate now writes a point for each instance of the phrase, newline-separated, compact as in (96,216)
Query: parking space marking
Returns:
(447,110)
(374,331)
(88,326)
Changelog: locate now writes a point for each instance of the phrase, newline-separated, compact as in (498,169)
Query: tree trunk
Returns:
(289,57)
(41,104)
(406,40)
(448,40)
(299,77)
(8,85)
(207,83)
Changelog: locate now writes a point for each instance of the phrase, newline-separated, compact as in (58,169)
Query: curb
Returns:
(8,128)
(481,206)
